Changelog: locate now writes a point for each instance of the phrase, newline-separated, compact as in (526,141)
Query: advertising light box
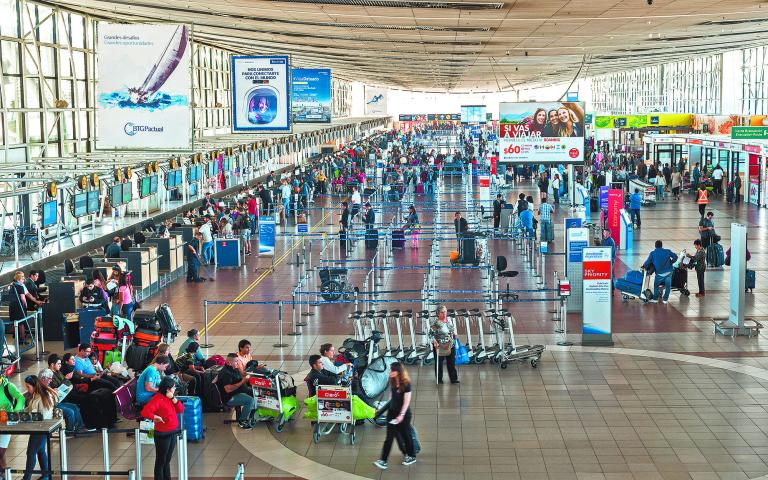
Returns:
(260,94)
(541,132)
(311,95)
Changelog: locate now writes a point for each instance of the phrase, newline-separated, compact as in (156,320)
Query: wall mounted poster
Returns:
(375,101)
(541,132)
(311,95)
(260,94)
(144,87)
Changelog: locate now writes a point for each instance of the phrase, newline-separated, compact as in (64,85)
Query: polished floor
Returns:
(670,401)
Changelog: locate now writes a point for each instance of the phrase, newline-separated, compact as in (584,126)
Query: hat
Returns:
(193,332)
(46,373)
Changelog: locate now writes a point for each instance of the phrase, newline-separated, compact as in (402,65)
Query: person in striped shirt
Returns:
(545,220)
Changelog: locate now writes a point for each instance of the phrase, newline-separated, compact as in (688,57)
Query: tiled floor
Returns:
(581,414)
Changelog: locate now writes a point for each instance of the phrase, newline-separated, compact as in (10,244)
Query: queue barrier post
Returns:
(105,451)
(136,436)
(280,343)
(207,344)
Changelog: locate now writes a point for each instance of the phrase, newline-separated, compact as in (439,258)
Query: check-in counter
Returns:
(105,266)
(142,261)
(66,300)
(170,252)
(187,232)
(228,252)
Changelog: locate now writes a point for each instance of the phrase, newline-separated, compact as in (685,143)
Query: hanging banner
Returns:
(597,295)
(143,87)
(541,132)
(375,101)
(260,94)
(615,205)
(267,236)
(311,95)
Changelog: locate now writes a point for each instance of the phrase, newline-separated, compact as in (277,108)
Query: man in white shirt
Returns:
(285,196)
(717,176)
(327,355)
(206,230)
(357,201)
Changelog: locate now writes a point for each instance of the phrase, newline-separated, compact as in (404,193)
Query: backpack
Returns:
(215,361)
(245,221)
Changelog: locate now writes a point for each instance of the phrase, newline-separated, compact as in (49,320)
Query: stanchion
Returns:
(280,343)
(105,450)
(308,312)
(207,344)
(136,436)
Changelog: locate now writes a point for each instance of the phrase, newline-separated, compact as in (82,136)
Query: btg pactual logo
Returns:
(129,129)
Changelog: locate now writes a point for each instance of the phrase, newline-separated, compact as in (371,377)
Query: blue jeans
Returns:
(207,252)
(634,215)
(127,311)
(253,222)
(36,452)
(665,280)
(243,400)
(72,416)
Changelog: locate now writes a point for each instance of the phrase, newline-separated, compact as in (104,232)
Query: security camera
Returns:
(507,52)
(650,2)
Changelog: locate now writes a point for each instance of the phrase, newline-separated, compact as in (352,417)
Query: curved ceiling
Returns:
(459,45)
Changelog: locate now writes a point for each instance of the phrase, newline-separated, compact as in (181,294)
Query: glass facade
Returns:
(754,86)
(687,86)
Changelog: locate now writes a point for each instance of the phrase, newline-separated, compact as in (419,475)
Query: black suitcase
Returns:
(594,204)
(167,323)
(210,394)
(145,319)
(99,409)
(679,278)
(468,248)
(372,239)
(398,239)
(749,283)
(137,357)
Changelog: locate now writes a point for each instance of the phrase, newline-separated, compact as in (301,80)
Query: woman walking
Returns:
(398,416)
(443,333)
(163,408)
(42,400)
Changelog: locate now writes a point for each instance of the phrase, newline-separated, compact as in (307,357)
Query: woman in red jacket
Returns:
(163,408)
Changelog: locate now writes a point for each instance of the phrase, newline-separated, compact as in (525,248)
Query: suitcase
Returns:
(103,342)
(419,188)
(104,324)
(468,248)
(145,319)
(715,255)
(628,287)
(749,282)
(594,204)
(168,325)
(192,418)
(634,276)
(372,239)
(398,239)
(137,357)
(146,338)
(87,318)
(99,409)
(110,357)
(679,278)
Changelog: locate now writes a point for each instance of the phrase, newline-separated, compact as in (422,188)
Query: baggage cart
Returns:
(334,407)
(271,396)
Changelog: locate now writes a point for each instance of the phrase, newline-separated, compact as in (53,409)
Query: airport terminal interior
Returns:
(378,239)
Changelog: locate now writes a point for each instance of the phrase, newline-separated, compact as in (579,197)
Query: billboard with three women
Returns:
(541,132)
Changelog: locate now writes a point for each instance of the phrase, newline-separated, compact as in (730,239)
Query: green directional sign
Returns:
(749,133)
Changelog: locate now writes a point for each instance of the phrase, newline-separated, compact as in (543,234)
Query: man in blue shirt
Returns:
(84,369)
(526,220)
(662,260)
(635,201)
(149,380)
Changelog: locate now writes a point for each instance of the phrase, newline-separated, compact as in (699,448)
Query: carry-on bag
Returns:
(749,283)
(137,357)
(372,239)
(167,323)
(192,417)
(398,239)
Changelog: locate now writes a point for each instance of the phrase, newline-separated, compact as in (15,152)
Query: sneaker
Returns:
(381,464)
(409,460)
(245,425)
(664,302)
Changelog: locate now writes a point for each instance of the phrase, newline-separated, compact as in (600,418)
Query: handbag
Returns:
(147,434)
(462,353)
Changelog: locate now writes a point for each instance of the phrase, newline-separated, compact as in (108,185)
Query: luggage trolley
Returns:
(334,407)
(274,402)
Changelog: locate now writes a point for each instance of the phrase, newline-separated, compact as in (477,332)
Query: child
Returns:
(94,357)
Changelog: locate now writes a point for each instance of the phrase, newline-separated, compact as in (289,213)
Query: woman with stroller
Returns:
(398,416)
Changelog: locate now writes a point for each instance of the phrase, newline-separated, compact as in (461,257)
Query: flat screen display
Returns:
(93,201)
(212,169)
(153,184)
(193,173)
(179,177)
(473,114)
(80,207)
(127,193)
(116,194)
(50,213)
(145,187)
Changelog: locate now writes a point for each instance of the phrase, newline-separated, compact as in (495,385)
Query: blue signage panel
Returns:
(604,198)
(267,236)
(311,95)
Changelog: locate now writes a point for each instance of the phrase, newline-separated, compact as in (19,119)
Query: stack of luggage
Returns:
(631,284)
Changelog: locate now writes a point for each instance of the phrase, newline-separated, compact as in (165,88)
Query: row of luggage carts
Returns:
(489,335)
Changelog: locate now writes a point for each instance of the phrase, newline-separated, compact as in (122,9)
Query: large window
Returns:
(211,91)
(754,85)
(341,98)
(687,86)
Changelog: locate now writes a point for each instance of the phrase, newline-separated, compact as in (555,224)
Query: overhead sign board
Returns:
(260,93)
(541,132)
(749,133)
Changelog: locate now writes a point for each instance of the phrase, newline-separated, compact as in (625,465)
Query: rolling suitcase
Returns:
(88,318)
(137,357)
(467,253)
(371,239)
(419,188)
(398,239)
(715,255)
(749,282)
(146,337)
(192,418)
(99,409)
(168,325)
(103,342)
(210,394)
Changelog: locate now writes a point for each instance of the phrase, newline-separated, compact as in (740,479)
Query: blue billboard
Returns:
(311,95)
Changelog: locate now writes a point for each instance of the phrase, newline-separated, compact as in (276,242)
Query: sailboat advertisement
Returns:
(144,87)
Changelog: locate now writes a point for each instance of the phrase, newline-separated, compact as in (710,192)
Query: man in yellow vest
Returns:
(702,199)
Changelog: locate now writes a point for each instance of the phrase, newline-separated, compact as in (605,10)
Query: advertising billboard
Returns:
(311,95)
(473,114)
(375,101)
(143,87)
(541,132)
(260,94)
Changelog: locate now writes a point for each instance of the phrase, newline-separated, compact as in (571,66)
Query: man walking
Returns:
(662,259)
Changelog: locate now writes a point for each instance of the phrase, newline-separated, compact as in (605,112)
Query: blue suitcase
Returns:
(627,287)
(749,283)
(634,276)
(193,417)
(715,255)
